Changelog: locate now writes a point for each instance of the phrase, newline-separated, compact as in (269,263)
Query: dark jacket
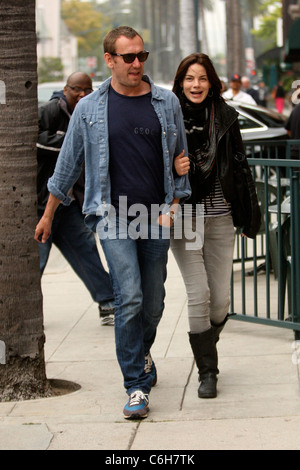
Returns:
(54,117)
(234,173)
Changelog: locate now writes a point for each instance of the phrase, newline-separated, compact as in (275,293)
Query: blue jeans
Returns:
(78,245)
(138,269)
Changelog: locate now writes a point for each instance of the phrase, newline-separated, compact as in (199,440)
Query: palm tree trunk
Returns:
(188,37)
(204,42)
(235,43)
(22,365)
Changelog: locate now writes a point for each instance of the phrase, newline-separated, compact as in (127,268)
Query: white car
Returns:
(259,123)
(46,90)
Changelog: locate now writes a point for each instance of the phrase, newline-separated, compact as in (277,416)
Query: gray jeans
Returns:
(206,272)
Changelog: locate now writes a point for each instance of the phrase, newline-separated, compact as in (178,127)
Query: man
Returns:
(263,94)
(249,89)
(69,232)
(127,133)
(293,129)
(235,93)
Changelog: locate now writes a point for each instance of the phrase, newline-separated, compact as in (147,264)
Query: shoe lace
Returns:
(148,363)
(137,397)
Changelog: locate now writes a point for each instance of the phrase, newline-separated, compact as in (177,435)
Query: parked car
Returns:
(259,123)
(256,122)
(45,90)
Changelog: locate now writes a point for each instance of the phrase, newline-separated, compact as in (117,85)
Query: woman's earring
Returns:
(210,93)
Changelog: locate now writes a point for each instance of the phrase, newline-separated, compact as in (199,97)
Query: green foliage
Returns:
(84,22)
(50,69)
(271,11)
(252,7)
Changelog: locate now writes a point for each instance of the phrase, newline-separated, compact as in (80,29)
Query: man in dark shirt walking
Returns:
(128,133)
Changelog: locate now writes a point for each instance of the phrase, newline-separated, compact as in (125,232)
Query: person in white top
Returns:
(235,93)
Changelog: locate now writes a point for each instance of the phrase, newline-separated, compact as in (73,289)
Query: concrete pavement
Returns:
(258,404)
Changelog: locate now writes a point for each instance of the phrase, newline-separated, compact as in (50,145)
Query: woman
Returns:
(222,186)
(279,95)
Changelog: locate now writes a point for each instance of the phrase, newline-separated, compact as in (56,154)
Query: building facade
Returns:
(53,37)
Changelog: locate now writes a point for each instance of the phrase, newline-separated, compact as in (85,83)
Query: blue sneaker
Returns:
(137,406)
(150,368)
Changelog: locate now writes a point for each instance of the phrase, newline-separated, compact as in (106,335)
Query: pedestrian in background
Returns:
(293,129)
(263,94)
(235,92)
(279,96)
(223,192)
(69,233)
(127,133)
(246,84)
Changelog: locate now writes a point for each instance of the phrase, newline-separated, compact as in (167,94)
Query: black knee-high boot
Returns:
(217,329)
(205,353)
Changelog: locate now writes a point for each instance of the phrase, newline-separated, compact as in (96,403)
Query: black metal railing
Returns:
(265,284)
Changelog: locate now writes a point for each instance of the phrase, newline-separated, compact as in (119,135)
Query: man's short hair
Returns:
(109,40)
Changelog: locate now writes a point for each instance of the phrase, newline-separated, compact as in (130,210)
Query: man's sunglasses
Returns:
(129,58)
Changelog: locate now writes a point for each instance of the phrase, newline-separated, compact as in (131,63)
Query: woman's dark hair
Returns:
(204,60)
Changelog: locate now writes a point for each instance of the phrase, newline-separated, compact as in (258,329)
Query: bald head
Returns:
(78,85)
(245,83)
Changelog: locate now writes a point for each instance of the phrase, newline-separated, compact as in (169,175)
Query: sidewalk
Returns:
(258,405)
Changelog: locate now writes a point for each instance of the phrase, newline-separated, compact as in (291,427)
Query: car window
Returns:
(266,117)
(44,94)
(46,90)
(247,123)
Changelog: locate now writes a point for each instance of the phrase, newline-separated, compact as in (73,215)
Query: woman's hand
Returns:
(182,164)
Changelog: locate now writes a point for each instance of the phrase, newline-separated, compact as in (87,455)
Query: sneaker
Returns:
(137,406)
(150,368)
(106,313)
(107,320)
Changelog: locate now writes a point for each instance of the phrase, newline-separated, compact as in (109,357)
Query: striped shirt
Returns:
(217,205)
(212,206)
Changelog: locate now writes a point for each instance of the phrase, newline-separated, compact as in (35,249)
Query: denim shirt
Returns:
(87,141)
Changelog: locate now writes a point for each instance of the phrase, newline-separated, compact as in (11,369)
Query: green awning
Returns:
(292,45)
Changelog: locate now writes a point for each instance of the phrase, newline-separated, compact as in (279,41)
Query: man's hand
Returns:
(167,220)
(43,228)
(182,164)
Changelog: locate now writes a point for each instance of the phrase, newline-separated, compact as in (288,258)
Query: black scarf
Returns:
(201,137)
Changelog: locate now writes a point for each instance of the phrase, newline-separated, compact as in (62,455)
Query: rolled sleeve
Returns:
(182,187)
(69,163)
(53,189)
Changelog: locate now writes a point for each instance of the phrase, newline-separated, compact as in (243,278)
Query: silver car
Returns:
(259,123)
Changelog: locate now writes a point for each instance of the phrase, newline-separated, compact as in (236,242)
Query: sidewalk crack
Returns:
(186,386)
(133,435)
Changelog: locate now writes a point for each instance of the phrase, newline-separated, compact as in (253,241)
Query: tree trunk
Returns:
(204,41)
(235,43)
(22,365)
(188,37)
